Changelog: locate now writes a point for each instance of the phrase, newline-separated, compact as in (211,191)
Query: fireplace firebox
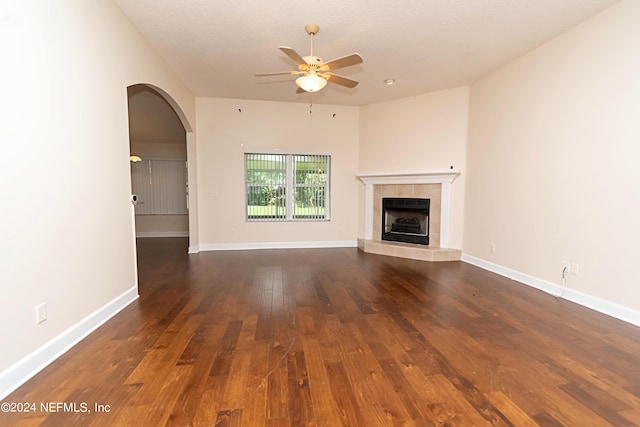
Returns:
(405,220)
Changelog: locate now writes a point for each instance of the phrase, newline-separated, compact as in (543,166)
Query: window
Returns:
(287,187)
(161,185)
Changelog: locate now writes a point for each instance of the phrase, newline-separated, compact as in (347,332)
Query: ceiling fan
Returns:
(314,72)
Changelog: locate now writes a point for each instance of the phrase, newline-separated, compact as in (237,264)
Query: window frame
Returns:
(290,186)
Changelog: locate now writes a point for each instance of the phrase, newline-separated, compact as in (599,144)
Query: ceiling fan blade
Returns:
(345,61)
(282,73)
(342,81)
(293,55)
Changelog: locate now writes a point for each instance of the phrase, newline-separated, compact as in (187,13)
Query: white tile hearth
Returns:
(409,250)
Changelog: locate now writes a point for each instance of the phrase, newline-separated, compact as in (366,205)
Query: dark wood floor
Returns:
(332,337)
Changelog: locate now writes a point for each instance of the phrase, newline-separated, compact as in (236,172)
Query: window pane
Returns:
(309,203)
(266,186)
(311,186)
(311,169)
(265,202)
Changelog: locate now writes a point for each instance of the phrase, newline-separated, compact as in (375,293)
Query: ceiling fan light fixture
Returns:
(311,83)
(315,72)
(135,158)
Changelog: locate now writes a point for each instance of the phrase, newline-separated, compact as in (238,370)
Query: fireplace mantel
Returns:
(443,177)
(423,177)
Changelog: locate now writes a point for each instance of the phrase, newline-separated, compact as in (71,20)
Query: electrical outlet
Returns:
(566,267)
(41,313)
(493,247)
(574,268)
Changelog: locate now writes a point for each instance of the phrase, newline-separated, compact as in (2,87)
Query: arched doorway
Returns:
(162,137)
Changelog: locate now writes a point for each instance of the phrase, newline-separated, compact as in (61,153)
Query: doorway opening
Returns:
(162,149)
(158,149)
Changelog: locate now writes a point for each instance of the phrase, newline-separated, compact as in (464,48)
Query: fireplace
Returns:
(434,185)
(405,220)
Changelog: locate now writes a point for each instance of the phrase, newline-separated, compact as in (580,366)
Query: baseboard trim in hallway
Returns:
(21,371)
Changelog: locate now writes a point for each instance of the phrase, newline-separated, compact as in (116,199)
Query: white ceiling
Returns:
(216,46)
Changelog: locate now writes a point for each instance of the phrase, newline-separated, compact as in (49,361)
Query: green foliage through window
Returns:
(287,186)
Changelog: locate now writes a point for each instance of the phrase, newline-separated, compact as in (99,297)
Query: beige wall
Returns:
(67,228)
(159,150)
(419,133)
(224,133)
(554,143)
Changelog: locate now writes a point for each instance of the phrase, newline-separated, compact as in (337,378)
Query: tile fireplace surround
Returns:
(434,185)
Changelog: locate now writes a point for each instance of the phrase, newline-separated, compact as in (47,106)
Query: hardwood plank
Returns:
(255,398)
(299,402)
(599,407)
(326,410)
(350,411)
(451,404)
(229,418)
(514,414)
(226,349)
(158,413)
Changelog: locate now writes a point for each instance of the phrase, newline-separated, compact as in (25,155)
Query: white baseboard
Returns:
(275,245)
(603,306)
(23,370)
(162,234)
